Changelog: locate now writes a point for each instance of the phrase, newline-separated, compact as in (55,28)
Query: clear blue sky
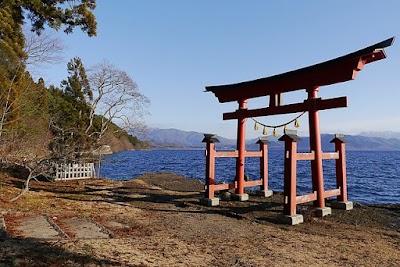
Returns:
(173,49)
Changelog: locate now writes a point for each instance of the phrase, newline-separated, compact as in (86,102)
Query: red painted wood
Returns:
(321,104)
(272,110)
(306,198)
(338,102)
(227,154)
(340,72)
(211,154)
(253,154)
(253,183)
(315,145)
(264,166)
(289,189)
(218,187)
(341,176)
(305,156)
(235,154)
(332,193)
(241,146)
(210,170)
(332,155)
(337,70)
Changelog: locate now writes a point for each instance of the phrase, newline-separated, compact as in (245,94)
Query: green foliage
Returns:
(11,65)
(62,111)
(69,111)
(11,39)
(32,104)
(26,106)
(55,14)
(25,128)
(19,95)
(76,90)
(68,106)
(77,85)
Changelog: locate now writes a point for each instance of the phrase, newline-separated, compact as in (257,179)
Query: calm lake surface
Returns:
(373,177)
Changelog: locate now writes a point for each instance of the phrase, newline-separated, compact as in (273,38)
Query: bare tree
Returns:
(42,50)
(116,98)
(35,169)
(29,156)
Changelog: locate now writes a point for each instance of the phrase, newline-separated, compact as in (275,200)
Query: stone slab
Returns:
(83,228)
(291,220)
(37,227)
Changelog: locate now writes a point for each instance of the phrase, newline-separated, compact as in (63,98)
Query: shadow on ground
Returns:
(166,193)
(31,252)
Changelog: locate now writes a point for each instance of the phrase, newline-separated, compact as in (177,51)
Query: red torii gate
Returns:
(310,78)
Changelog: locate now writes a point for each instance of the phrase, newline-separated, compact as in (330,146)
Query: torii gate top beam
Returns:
(337,70)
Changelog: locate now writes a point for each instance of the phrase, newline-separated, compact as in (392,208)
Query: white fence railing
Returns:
(70,171)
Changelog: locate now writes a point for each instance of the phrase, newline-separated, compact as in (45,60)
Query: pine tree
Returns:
(55,14)
(77,86)
(12,66)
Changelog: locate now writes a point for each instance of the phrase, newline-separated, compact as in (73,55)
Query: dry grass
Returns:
(157,221)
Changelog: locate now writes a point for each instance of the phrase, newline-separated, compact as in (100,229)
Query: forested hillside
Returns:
(66,122)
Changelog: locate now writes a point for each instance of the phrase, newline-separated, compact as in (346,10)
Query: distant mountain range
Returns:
(384,134)
(178,139)
(173,138)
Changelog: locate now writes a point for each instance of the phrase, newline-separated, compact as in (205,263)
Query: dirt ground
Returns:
(157,220)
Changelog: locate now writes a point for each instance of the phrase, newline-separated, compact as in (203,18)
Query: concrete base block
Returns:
(210,202)
(322,212)
(265,193)
(240,197)
(291,220)
(340,205)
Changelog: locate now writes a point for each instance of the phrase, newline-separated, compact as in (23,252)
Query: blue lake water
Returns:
(372,177)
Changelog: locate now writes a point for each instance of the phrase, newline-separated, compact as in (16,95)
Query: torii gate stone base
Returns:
(310,79)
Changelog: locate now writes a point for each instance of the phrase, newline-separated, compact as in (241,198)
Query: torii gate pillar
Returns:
(316,146)
(241,147)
